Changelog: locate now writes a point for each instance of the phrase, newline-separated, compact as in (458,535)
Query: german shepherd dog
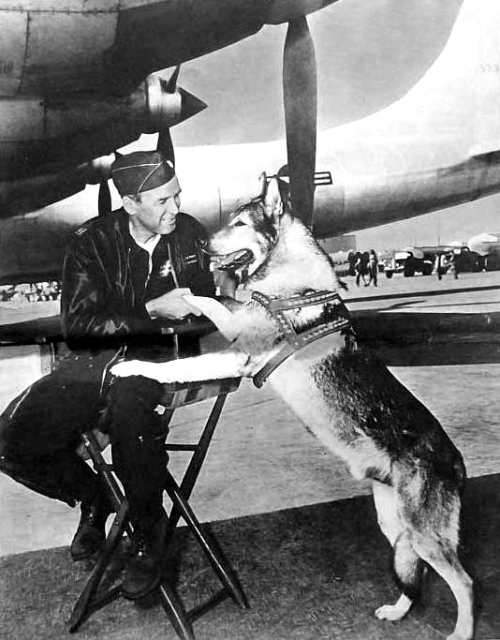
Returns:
(346,397)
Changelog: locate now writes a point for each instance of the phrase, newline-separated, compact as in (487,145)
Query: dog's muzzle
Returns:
(232,261)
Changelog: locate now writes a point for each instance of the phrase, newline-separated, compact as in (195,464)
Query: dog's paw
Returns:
(223,319)
(135,368)
(389,612)
(393,612)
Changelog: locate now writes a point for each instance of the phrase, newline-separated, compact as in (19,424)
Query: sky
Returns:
(369,53)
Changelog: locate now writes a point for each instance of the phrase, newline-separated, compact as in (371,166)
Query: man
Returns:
(372,268)
(124,277)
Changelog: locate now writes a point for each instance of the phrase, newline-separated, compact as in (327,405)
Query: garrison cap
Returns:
(141,171)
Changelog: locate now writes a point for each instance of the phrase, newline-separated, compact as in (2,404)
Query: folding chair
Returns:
(176,395)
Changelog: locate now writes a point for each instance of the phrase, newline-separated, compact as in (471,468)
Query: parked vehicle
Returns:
(409,262)
(487,248)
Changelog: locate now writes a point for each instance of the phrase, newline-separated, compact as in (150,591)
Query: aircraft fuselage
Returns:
(49,47)
(439,145)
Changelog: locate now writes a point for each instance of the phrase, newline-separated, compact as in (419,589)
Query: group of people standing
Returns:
(365,267)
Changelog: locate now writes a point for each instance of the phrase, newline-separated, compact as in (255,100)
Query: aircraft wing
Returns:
(41,331)
(110,47)
(77,85)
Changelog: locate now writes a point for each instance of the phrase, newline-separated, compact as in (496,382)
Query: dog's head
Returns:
(245,242)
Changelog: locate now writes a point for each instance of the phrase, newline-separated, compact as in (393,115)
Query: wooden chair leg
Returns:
(200,451)
(176,612)
(87,603)
(197,460)
(207,543)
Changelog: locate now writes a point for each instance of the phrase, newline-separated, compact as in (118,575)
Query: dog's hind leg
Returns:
(407,563)
(441,555)
(385,498)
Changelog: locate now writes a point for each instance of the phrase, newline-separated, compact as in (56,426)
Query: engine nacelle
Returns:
(163,107)
(52,134)
(57,146)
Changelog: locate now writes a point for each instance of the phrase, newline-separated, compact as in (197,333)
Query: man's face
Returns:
(155,211)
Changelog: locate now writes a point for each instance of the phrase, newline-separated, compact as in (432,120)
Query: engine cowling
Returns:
(56,133)
(61,145)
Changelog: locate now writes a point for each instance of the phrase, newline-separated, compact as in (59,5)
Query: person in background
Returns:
(455,263)
(372,268)
(360,267)
(441,264)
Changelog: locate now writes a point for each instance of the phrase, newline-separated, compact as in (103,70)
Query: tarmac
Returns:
(441,339)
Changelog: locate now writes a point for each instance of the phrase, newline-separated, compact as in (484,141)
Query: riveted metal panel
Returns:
(12,49)
(63,6)
(65,50)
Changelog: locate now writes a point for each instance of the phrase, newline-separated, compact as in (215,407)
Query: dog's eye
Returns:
(238,223)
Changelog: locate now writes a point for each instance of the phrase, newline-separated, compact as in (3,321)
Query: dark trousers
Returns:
(137,436)
(40,432)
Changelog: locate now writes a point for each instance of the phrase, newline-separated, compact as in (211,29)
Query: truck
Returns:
(409,262)
(487,247)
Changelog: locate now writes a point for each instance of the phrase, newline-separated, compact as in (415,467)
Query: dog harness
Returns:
(334,318)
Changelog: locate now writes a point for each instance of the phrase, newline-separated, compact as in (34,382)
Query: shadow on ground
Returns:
(425,339)
(311,573)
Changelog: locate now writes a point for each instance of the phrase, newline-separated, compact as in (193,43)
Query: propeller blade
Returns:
(104,198)
(172,83)
(300,102)
(165,145)
(190,106)
(280,11)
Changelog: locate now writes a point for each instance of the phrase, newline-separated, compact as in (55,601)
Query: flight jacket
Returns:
(106,280)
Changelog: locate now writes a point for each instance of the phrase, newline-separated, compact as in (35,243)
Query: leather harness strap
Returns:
(336,318)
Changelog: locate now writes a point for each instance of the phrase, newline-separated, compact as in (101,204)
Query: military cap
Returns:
(141,171)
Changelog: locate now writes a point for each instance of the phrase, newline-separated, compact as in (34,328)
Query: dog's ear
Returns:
(272,200)
(263,184)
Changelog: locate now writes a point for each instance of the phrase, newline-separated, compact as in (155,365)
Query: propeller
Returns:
(300,104)
(169,104)
(165,145)
(104,198)
(102,167)
(190,105)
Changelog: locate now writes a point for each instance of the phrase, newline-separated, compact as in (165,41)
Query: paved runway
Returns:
(262,459)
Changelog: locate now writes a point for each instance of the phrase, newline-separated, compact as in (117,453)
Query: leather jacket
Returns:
(106,281)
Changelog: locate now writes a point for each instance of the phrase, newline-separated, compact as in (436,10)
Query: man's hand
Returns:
(172,305)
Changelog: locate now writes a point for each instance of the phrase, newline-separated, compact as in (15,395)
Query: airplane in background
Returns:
(80,79)
(438,146)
